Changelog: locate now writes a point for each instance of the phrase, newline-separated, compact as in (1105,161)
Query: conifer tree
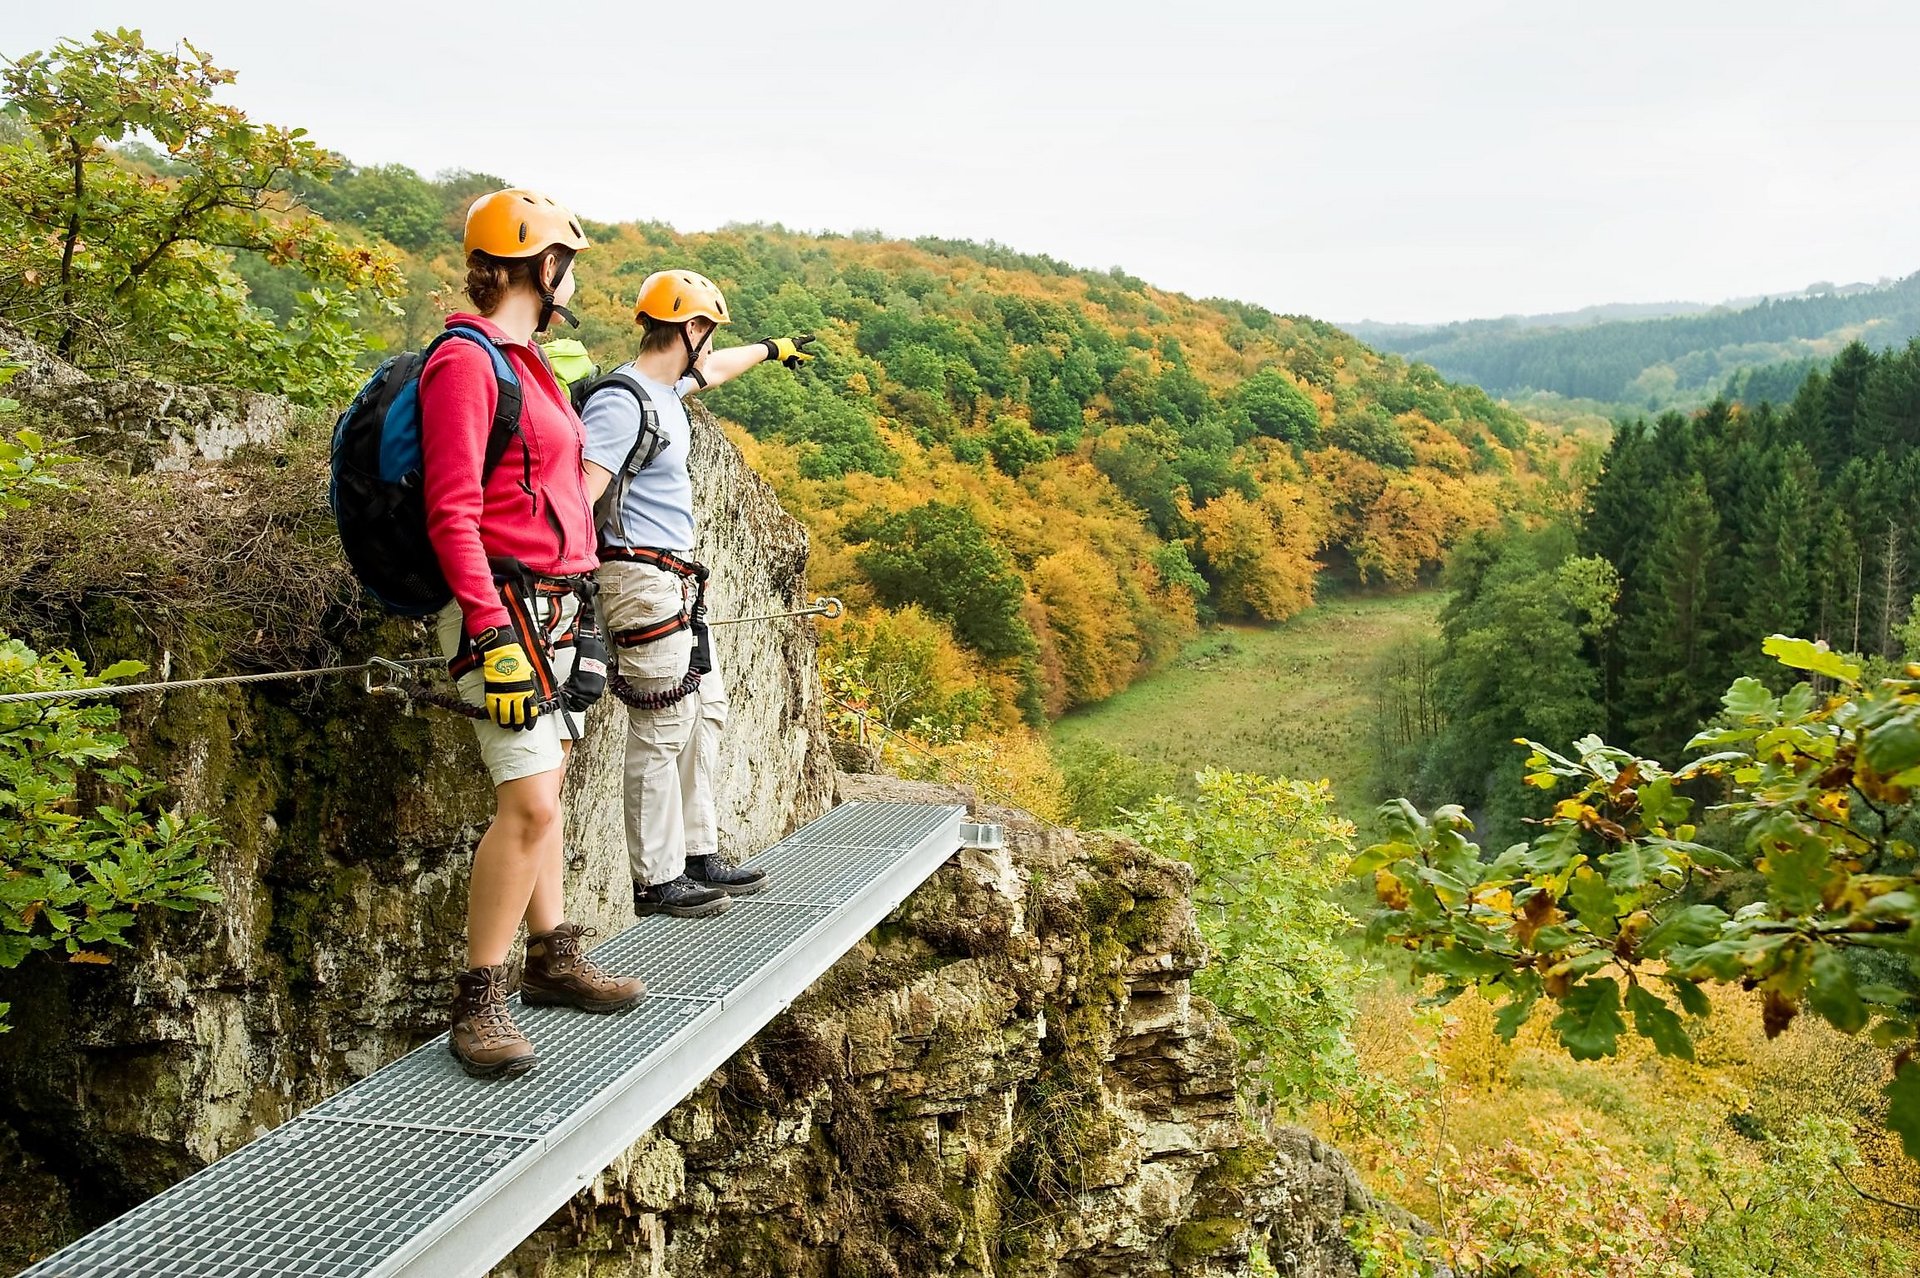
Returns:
(1676,627)
(1775,578)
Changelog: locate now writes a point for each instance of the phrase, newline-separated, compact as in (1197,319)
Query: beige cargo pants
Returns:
(669,753)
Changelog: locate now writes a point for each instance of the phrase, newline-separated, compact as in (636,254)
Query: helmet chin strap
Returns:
(693,354)
(548,307)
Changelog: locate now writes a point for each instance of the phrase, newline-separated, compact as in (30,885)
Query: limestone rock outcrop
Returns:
(139,423)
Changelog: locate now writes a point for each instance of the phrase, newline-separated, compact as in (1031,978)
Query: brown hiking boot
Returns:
(559,971)
(483,1037)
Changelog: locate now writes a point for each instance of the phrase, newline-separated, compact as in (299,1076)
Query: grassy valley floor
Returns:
(1285,700)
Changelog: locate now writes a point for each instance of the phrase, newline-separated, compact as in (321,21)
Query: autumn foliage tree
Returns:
(127,197)
(1259,554)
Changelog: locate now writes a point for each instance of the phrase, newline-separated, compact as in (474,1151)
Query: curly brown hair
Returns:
(490,278)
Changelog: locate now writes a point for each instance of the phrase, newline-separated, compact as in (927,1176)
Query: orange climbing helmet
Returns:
(675,296)
(520,223)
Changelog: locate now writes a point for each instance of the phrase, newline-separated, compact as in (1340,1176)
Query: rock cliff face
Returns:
(1010,1076)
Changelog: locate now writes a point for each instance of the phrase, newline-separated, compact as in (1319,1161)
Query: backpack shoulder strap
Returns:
(506,409)
(649,441)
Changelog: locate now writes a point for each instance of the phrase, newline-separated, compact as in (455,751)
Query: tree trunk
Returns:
(68,328)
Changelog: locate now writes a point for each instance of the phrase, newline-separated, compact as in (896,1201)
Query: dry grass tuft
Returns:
(237,563)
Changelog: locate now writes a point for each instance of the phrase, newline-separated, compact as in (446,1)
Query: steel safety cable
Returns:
(210,681)
(822,606)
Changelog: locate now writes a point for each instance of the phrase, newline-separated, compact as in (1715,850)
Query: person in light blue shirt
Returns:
(638,441)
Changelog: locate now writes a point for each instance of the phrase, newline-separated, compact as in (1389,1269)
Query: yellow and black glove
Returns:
(511,701)
(791,351)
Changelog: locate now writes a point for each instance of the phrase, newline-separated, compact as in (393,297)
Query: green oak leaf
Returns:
(1376,856)
(1683,929)
(1692,997)
(1894,746)
(1805,654)
(1592,900)
(1589,1023)
(1748,698)
(1401,822)
(1635,865)
(1467,966)
(1832,993)
(1659,805)
(1795,874)
(1903,1107)
(1553,938)
(1513,1014)
(1659,1023)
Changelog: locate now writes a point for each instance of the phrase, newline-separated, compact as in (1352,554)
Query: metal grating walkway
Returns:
(419,1170)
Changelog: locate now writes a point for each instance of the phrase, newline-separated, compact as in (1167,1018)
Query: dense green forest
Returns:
(1673,361)
(1703,534)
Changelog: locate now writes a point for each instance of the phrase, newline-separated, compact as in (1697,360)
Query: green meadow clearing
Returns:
(1283,700)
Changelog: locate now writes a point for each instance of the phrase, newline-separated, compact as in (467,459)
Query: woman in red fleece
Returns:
(516,544)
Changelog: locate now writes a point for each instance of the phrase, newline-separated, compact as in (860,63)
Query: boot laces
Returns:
(583,962)
(489,1014)
(565,947)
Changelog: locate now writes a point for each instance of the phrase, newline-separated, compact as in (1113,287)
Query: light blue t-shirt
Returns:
(658,508)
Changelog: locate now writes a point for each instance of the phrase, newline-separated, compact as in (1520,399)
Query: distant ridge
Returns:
(1668,354)
(1604,312)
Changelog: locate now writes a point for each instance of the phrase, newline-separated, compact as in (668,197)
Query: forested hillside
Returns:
(1037,477)
(1676,361)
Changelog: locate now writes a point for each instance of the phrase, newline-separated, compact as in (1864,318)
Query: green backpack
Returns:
(570,362)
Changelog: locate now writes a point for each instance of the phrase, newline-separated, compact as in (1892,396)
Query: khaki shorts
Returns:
(633,595)
(513,753)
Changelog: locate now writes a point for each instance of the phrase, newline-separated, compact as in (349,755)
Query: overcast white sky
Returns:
(1384,159)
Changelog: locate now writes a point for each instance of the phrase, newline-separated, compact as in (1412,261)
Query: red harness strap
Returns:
(666,561)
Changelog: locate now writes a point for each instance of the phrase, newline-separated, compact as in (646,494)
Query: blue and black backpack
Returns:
(376,494)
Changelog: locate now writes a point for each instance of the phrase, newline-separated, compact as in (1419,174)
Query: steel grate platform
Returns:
(427,1088)
(708,958)
(418,1170)
(308,1200)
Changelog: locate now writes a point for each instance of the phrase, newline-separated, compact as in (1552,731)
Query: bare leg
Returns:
(524,837)
(548,907)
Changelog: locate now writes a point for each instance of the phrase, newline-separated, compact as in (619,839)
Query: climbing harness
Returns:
(694,619)
(520,589)
(665,561)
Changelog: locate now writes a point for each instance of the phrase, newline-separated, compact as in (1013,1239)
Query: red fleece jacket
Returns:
(534,508)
